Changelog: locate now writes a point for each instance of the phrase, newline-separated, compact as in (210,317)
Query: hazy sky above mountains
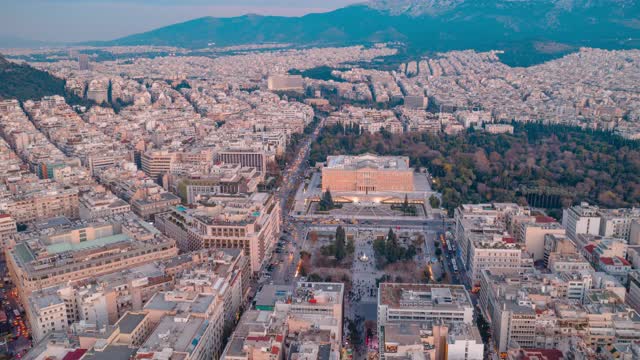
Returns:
(79,20)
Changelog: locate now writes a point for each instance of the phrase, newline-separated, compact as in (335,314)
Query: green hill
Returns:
(23,82)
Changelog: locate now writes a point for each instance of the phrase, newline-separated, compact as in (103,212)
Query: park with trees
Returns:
(561,161)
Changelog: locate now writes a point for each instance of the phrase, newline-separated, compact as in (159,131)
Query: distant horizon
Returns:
(99,20)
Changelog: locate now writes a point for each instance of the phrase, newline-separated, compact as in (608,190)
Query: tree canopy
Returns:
(565,162)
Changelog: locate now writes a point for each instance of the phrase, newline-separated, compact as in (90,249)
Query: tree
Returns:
(110,92)
(184,84)
(405,205)
(379,247)
(340,247)
(393,250)
(326,202)
(351,247)
(328,198)
(314,278)
(434,202)
(438,252)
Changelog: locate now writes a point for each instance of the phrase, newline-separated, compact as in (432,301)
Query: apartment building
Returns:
(617,222)
(8,230)
(149,201)
(484,233)
(156,163)
(533,235)
(46,313)
(589,219)
(546,311)
(305,322)
(316,306)
(559,244)
(225,274)
(99,203)
(581,219)
(260,335)
(223,179)
(464,343)
(633,296)
(187,325)
(45,201)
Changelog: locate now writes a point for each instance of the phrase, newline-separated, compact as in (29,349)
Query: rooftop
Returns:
(181,302)
(368,161)
(129,322)
(423,296)
(182,334)
(318,293)
(111,352)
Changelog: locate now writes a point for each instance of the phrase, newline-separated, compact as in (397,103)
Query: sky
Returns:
(81,20)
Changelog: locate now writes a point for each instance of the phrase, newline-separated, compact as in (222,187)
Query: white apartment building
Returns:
(46,313)
(589,219)
(581,219)
(618,222)
(8,230)
(464,343)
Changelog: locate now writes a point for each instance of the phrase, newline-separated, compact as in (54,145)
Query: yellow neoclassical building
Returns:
(367,173)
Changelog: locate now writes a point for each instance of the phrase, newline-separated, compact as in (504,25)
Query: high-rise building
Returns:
(83,62)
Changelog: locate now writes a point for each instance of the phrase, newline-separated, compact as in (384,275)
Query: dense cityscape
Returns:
(282,202)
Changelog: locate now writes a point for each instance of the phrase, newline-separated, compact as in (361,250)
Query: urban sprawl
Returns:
(177,217)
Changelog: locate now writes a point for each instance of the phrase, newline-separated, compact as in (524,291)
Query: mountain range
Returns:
(424,25)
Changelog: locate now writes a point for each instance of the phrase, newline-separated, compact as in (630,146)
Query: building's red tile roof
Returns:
(75,354)
(612,261)
(541,219)
(542,354)
(589,248)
